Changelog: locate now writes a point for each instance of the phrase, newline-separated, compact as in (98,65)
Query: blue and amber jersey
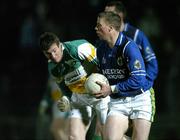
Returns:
(124,66)
(146,50)
(70,73)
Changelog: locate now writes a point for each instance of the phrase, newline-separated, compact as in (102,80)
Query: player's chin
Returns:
(56,60)
(99,36)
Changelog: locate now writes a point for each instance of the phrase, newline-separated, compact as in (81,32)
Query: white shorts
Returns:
(84,106)
(56,113)
(141,106)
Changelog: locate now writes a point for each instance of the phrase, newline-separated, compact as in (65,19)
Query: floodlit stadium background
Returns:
(23,72)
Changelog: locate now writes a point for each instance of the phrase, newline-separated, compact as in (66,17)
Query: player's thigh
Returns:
(141,129)
(77,128)
(115,127)
(79,120)
(58,123)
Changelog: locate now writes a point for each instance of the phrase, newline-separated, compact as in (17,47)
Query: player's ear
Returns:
(60,45)
(110,28)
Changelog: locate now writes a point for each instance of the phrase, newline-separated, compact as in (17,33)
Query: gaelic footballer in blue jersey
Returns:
(139,37)
(121,61)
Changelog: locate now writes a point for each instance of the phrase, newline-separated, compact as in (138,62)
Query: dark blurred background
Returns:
(23,72)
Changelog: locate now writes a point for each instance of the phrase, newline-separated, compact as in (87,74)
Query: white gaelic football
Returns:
(91,85)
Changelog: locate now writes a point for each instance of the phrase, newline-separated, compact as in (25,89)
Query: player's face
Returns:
(102,29)
(54,53)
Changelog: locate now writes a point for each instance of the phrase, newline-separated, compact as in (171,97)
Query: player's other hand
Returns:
(64,104)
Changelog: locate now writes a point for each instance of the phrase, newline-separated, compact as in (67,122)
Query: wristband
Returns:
(114,89)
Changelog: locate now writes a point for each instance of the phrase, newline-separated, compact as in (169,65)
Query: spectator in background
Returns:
(28,32)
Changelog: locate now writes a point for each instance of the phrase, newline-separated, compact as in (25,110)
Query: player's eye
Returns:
(54,51)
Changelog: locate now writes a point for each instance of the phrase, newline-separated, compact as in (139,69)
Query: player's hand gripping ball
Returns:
(91,86)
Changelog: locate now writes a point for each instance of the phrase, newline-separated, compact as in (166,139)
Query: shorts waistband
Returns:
(127,94)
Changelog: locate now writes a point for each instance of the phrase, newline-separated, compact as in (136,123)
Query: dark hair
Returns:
(47,39)
(112,19)
(119,7)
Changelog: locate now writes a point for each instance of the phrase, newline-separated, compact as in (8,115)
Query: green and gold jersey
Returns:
(70,73)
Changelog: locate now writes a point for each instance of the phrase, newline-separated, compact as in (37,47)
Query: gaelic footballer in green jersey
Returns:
(65,61)
(70,63)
